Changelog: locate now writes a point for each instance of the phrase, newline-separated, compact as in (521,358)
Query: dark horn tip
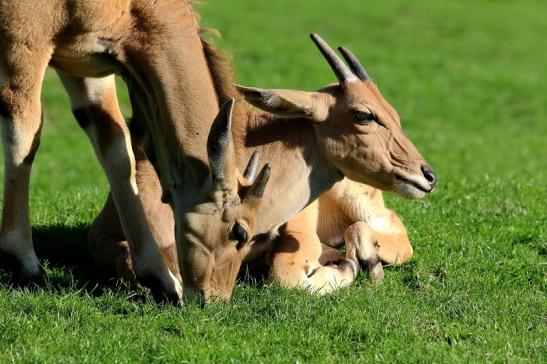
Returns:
(229,103)
(252,167)
(316,38)
(356,66)
(259,185)
(226,109)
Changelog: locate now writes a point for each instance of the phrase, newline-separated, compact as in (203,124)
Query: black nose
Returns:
(429,176)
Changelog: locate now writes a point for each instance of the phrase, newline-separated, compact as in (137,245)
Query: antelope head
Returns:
(219,230)
(359,133)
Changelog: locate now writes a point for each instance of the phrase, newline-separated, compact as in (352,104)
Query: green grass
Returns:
(467,77)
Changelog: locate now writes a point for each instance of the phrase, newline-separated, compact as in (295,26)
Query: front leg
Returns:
(21,74)
(107,242)
(96,109)
(392,243)
(297,258)
(362,248)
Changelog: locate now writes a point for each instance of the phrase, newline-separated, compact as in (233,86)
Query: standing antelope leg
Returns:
(96,109)
(109,249)
(107,242)
(21,76)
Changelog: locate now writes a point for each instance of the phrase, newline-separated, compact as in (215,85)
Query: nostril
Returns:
(429,175)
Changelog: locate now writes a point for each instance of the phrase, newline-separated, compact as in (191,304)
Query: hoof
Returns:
(375,272)
(26,280)
(21,277)
(160,294)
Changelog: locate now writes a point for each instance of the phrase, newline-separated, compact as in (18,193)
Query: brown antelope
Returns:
(156,48)
(306,254)
(312,140)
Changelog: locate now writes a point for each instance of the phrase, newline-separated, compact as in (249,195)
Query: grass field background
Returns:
(469,81)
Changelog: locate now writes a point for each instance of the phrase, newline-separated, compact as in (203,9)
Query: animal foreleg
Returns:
(339,272)
(22,70)
(296,264)
(109,249)
(392,242)
(106,239)
(361,247)
(95,106)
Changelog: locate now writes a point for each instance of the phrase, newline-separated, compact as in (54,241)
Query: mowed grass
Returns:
(468,79)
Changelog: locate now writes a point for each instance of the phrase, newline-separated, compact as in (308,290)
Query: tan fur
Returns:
(156,48)
(347,206)
(297,258)
(301,169)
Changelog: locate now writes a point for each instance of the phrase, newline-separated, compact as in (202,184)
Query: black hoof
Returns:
(159,293)
(22,278)
(375,270)
(30,281)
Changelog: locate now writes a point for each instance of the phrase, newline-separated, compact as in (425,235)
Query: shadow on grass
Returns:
(64,253)
(64,247)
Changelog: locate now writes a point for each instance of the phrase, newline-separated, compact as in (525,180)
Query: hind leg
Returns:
(21,74)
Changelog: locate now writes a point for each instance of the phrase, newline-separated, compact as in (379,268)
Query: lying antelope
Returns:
(312,140)
(306,253)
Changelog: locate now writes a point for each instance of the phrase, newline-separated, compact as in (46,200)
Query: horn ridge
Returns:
(343,73)
(252,167)
(354,64)
(256,191)
(220,141)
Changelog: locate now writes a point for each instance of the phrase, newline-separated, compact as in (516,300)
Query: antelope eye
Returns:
(363,117)
(239,233)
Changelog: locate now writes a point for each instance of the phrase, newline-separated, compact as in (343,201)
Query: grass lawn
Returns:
(469,80)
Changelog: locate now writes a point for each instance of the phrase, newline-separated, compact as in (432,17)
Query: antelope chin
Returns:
(412,187)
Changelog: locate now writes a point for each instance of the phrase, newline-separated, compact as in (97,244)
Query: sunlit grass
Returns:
(468,79)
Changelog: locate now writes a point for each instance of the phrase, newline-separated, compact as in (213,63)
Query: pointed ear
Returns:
(221,151)
(287,103)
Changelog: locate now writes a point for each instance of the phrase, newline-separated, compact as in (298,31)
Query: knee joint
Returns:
(18,100)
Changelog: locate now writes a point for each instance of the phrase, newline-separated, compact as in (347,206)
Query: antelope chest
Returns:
(88,55)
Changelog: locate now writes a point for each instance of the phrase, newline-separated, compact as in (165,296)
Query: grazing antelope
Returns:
(312,140)
(111,251)
(156,48)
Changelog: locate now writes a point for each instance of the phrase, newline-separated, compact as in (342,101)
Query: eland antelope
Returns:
(306,253)
(312,140)
(156,48)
